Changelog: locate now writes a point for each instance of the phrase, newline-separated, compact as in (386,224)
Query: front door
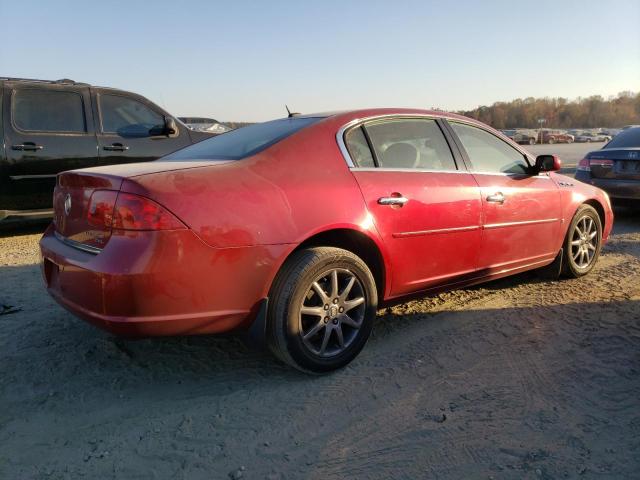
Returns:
(131,129)
(48,129)
(426,210)
(522,215)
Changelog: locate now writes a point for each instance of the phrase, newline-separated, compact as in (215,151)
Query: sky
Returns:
(238,60)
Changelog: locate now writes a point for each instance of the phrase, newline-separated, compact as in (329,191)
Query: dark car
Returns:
(48,127)
(615,168)
(298,229)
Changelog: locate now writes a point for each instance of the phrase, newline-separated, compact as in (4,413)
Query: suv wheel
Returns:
(551,141)
(324,302)
(582,243)
(532,141)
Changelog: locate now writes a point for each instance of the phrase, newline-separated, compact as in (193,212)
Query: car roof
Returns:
(350,115)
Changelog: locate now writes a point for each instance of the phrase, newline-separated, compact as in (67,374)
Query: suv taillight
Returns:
(126,211)
(584,165)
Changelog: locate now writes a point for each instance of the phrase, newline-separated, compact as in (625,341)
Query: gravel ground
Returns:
(516,379)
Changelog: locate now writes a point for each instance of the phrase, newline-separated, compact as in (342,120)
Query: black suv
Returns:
(51,126)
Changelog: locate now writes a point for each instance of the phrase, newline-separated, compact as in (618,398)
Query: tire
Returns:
(586,228)
(532,141)
(299,338)
(588,140)
(569,141)
(551,141)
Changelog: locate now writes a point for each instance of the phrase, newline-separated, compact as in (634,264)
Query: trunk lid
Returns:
(615,164)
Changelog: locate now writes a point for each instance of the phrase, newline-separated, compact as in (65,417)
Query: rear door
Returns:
(48,129)
(521,221)
(130,129)
(426,210)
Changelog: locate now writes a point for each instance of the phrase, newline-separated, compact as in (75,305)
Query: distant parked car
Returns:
(202,124)
(616,167)
(588,137)
(523,136)
(52,126)
(528,137)
(555,136)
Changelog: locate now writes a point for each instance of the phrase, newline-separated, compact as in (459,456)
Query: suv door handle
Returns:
(116,147)
(497,197)
(399,200)
(29,146)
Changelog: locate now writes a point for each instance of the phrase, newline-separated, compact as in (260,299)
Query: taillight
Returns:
(133,212)
(101,205)
(584,165)
(126,211)
(601,162)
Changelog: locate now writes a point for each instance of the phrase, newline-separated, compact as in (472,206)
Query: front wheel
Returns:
(532,141)
(551,141)
(322,308)
(582,243)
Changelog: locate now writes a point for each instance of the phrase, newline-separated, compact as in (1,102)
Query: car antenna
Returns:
(289,114)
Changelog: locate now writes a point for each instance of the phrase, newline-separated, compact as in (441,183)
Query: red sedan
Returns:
(299,229)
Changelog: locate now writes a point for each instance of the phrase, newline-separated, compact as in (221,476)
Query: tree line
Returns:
(590,112)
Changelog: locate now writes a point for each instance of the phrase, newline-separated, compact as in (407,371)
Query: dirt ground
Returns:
(519,378)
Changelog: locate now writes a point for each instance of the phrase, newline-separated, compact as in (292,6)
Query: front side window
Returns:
(410,143)
(128,118)
(39,110)
(243,142)
(487,152)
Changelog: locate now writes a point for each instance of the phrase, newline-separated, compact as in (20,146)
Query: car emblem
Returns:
(67,204)
(633,155)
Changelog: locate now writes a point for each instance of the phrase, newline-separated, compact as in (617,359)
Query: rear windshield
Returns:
(243,142)
(629,138)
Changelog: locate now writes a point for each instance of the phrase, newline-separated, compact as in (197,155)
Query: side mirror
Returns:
(170,127)
(548,163)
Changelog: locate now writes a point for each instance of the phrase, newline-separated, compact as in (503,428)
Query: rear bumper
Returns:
(627,189)
(160,283)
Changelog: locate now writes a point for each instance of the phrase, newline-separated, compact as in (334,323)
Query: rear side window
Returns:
(358,148)
(37,110)
(128,117)
(629,138)
(410,143)
(488,153)
(244,142)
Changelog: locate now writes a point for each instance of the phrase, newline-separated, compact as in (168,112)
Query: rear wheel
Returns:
(322,308)
(532,141)
(582,243)
(551,141)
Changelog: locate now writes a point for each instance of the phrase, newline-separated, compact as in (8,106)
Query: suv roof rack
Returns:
(62,81)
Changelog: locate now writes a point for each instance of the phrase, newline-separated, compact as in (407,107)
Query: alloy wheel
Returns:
(584,242)
(332,312)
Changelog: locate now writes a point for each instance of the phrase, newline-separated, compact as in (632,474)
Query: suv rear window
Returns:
(629,138)
(243,142)
(37,110)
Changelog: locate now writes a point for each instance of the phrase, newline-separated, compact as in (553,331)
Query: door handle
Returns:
(399,200)
(497,197)
(28,146)
(116,147)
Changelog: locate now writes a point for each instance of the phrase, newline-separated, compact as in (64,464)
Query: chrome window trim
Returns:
(77,245)
(347,157)
(423,170)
